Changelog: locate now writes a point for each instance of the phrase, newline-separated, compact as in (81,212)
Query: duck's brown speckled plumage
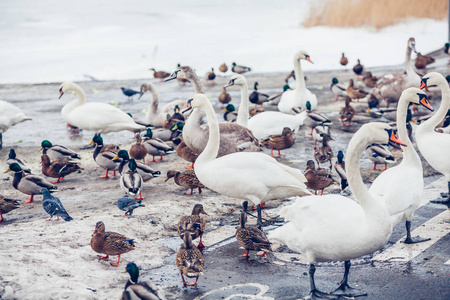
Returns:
(160,74)
(355,92)
(346,113)
(251,238)
(186,153)
(324,153)
(110,243)
(7,205)
(58,169)
(279,141)
(189,259)
(186,179)
(317,180)
(370,80)
(194,224)
(224,97)
(138,150)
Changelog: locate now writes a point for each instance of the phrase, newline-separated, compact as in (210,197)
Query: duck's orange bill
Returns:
(393,138)
(422,85)
(424,102)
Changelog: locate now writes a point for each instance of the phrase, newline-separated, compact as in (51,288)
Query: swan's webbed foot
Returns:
(415,240)
(316,294)
(345,290)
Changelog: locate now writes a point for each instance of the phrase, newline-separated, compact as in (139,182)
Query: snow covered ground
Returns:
(56,41)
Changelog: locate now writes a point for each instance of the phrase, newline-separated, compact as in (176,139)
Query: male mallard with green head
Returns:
(140,290)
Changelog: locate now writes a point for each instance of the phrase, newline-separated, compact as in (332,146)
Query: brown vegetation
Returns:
(375,14)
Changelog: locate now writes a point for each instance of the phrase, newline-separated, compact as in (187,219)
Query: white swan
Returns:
(333,227)
(154,115)
(401,187)
(246,175)
(233,137)
(94,116)
(292,99)
(10,115)
(265,123)
(434,146)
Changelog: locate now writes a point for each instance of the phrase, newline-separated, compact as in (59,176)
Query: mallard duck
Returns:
(239,69)
(251,238)
(144,170)
(53,206)
(379,154)
(255,110)
(103,157)
(155,146)
(129,204)
(28,183)
(58,169)
(138,151)
(314,119)
(186,153)
(279,141)
(159,74)
(274,99)
(140,290)
(186,179)
(177,116)
(7,205)
(318,132)
(422,61)
(230,113)
(346,113)
(194,224)
(339,166)
(155,115)
(10,115)
(189,260)
(209,77)
(293,100)
(131,182)
(338,89)
(223,68)
(98,117)
(358,69)
(354,92)
(257,97)
(317,180)
(12,158)
(344,60)
(224,97)
(324,153)
(372,102)
(289,76)
(370,80)
(58,152)
(110,243)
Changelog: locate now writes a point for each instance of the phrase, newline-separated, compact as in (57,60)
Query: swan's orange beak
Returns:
(309,59)
(422,85)
(394,139)
(424,102)
(188,107)
(60,94)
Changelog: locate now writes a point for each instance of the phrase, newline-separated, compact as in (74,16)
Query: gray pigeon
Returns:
(128,204)
(53,206)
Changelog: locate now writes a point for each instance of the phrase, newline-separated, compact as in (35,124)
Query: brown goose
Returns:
(317,180)
(189,260)
(194,224)
(251,238)
(110,243)
(186,179)
(324,153)
(279,141)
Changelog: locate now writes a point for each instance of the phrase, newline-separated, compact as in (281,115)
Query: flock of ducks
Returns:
(226,157)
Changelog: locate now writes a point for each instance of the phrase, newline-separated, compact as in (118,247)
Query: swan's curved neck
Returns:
(355,148)
(437,118)
(81,95)
(243,114)
(192,124)
(155,99)
(409,153)
(299,79)
(212,147)
(408,66)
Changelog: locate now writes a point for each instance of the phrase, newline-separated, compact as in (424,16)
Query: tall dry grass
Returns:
(373,13)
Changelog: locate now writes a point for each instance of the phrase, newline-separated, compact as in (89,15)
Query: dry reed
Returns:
(373,13)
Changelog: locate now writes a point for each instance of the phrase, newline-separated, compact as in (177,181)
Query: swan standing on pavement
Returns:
(294,99)
(401,187)
(245,175)
(10,115)
(94,116)
(333,227)
(233,137)
(435,146)
(266,123)
(155,115)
